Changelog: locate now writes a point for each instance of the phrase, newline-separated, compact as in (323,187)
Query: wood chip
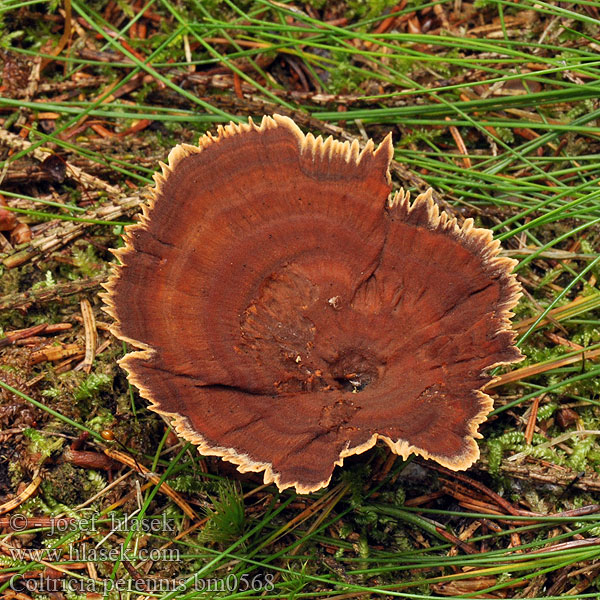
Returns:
(24,495)
(532,420)
(53,353)
(91,336)
(155,479)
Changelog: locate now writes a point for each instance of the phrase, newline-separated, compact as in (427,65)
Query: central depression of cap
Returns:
(288,311)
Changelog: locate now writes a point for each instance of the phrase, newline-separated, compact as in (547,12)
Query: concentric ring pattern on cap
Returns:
(288,311)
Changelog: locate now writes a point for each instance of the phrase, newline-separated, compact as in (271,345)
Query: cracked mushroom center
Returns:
(309,342)
(288,310)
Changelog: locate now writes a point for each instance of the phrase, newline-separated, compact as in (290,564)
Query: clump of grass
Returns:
(226,516)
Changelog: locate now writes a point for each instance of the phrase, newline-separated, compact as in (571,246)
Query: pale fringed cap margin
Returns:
(288,311)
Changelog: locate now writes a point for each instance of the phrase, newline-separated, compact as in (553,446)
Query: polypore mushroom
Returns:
(289,312)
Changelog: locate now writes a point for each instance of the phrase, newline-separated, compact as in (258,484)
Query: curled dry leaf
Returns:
(289,312)
(8,220)
(21,234)
(56,167)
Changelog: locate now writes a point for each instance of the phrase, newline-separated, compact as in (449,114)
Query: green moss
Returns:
(92,386)
(47,282)
(363,547)
(581,448)
(104,419)
(546,411)
(42,444)
(69,485)
(343,78)
(418,134)
(515,442)
(86,261)
(505,134)
(366,517)
(15,473)
(368,9)
(9,280)
(187,483)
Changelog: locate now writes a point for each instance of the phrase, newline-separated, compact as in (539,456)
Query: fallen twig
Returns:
(18,143)
(24,300)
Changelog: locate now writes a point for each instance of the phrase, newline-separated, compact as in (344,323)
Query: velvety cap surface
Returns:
(288,311)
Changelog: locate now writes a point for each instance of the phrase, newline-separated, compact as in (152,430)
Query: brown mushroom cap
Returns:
(289,312)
